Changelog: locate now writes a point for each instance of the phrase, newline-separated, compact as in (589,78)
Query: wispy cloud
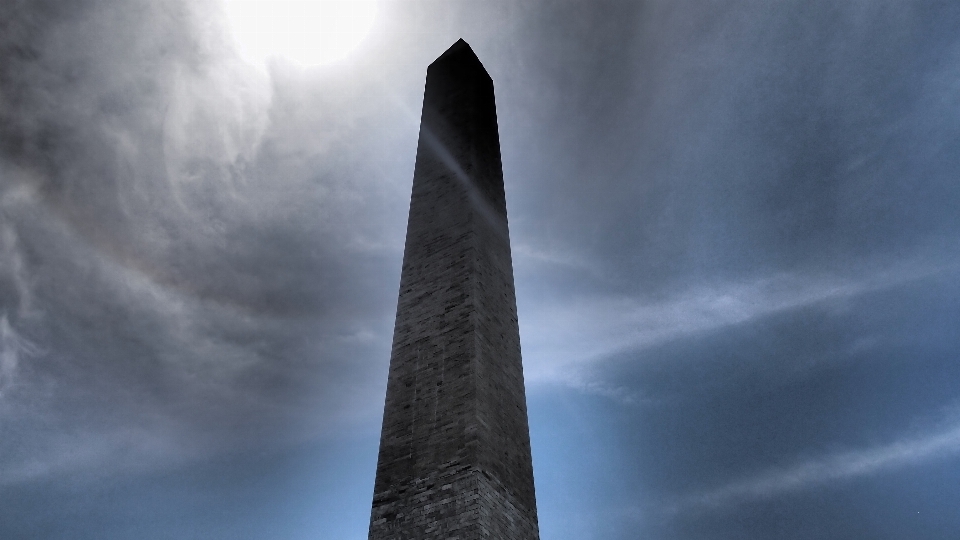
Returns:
(12,348)
(909,451)
(560,341)
(97,453)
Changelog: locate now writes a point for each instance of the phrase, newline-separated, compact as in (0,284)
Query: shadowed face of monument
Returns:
(455,450)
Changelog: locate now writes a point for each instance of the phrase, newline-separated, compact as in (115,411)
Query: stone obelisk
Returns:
(455,447)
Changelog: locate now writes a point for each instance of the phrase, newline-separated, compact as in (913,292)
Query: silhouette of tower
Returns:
(454,456)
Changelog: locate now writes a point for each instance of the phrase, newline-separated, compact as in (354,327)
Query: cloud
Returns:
(16,292)
(103,453)
(201,251)
(564,341)
(16,296)
(13,348)
(909,451)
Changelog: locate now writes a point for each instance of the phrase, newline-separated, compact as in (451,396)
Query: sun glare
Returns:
(308,32)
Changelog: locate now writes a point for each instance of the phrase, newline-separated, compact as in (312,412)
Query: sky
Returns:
(734,228)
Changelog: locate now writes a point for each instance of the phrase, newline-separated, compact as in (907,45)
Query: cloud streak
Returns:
(562,341)
(13,348)
(909,451)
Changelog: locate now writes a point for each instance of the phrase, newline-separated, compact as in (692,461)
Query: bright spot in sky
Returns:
(309,32)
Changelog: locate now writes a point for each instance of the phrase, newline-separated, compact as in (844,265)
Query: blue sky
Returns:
(734,231)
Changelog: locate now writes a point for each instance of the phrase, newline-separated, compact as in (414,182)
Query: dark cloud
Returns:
(192,265)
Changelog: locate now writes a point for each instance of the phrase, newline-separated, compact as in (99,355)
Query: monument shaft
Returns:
(454,456)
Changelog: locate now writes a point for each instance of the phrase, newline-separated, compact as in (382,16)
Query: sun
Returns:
(308,32)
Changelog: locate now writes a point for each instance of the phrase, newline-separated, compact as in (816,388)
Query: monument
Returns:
(454,456)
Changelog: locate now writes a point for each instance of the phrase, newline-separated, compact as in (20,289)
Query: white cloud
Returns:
(909,451)
(12,348)
(561,341)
